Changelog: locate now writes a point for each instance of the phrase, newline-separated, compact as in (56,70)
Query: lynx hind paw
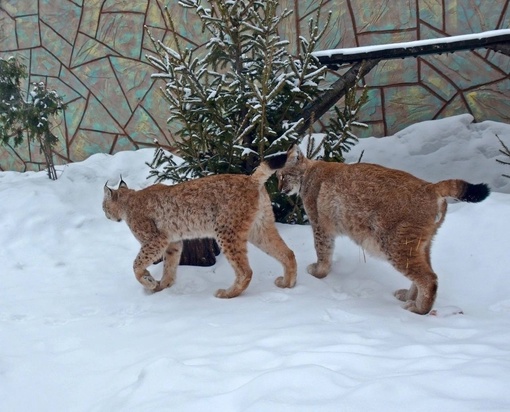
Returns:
(410,305)
(314,271)
(282,283)
(401,294)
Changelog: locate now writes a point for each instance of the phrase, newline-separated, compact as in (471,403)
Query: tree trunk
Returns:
(199,252)
(48,156)
(313,112)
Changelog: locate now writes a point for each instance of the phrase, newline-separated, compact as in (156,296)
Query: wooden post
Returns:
(327,100)
(199,252)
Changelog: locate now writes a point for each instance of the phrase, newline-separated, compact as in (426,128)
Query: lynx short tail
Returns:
(462,190)
(269,166)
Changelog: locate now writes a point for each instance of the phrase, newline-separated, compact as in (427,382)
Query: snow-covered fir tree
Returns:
(339,134)
(238,99)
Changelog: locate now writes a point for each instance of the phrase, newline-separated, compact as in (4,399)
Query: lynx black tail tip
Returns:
(277,161)
(475,193)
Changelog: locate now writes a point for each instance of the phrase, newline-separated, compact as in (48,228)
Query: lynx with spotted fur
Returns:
(389,213)
(233,209)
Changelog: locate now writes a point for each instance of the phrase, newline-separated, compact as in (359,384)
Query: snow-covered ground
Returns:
(78,333)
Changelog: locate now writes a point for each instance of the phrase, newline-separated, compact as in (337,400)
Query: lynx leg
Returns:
(148,253)
(427,290)
(267,239)
(422,294)
(235,250)
(407,294)
(412,259)
(324,246)
(172,257)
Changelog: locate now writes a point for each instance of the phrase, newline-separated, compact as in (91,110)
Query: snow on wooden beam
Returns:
(498,40)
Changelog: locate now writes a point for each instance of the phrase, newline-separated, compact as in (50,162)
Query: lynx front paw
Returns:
(163,284)
(159,287)
(315,270)
(149,282)
(281,282)
(226,293)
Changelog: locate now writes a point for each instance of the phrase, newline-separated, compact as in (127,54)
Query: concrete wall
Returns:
(93,52)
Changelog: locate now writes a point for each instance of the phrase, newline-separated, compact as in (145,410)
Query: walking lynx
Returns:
(390,213)
(233,209)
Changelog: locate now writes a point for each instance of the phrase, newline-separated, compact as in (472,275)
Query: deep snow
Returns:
(78,333)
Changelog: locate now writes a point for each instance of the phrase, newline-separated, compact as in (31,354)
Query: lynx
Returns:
(390,213)
(233,209)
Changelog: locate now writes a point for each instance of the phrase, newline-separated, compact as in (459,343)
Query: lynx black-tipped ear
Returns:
(298,152)
(107,190)
(294,154)
(122,183)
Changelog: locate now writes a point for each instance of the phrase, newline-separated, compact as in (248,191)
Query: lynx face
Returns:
(290,178)
(289,183)
(388,212)
(233,209)
(110,202)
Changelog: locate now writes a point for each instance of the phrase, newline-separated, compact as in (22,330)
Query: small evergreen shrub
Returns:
(27,117)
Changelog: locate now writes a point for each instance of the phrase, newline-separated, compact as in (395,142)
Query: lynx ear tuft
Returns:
(299,153)
(107,191)
(122,183)
(294,154)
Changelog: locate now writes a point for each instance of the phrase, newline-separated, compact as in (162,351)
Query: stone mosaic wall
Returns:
(93,52)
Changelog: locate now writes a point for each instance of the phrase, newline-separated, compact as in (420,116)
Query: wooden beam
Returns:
(336,58)
(503,48)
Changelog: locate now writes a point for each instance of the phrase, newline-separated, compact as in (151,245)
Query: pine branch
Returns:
(505,151)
